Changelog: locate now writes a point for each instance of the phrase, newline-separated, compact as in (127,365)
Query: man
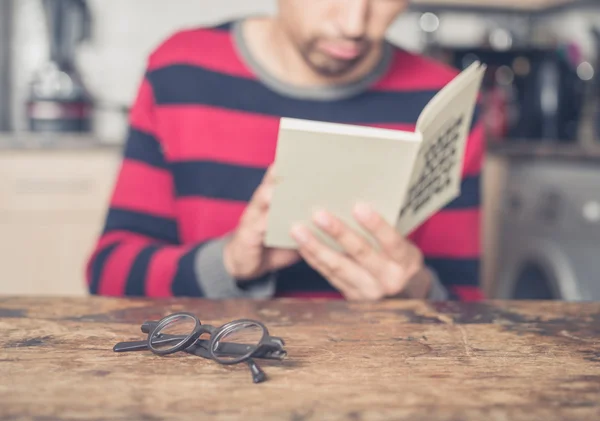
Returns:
(189,208)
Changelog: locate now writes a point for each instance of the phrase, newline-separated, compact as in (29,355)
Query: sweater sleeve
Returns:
(139,252)
(450,239)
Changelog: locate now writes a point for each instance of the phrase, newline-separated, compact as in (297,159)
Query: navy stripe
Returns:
(186,84)
(233,182)
(301,277)
(452,295)
(136,279)
(224,26)
(185,282)
(98,266)
(144,147)
(470,194)
(477,114)
(216,180)
(452,272)
(156,227)
(455,272)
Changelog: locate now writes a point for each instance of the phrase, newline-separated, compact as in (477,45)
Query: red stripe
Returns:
(468,293)
(111,238)
(475,150)
(451,233)
(210,49)
(145,189)
(141,112)
(202,219)
(411,72)
(161,271)
(202,132)
(330,295)
(118,265)
(115,236)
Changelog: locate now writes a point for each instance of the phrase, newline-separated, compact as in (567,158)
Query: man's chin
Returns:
(334,68)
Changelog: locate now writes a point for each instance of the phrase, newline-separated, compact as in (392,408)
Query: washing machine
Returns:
(549,230)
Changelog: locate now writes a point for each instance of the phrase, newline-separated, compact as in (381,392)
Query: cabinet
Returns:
(52,207)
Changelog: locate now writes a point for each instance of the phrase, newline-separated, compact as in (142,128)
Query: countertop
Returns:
(54,142)
(545,150)
(402,360)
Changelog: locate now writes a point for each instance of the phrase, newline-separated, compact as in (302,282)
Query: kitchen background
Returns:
(541,231)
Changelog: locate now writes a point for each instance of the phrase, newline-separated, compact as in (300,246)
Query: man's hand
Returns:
(364,272)
(245,256)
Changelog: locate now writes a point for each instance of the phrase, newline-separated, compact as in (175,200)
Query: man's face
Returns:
(334,36)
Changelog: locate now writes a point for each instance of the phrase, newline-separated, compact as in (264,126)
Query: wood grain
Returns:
(404,360)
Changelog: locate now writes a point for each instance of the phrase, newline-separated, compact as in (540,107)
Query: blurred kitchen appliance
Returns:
(530,94)
(58,99)
(590,125)
(549,229)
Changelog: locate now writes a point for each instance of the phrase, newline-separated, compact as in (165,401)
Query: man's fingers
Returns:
(314,262)
(389,264)
(281,258)
(270,176)
(342,272)
(263,194)
(353,243)
(391,242)
(347,289)
(254,217)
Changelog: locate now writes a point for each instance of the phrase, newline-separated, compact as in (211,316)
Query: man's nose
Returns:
(353,18)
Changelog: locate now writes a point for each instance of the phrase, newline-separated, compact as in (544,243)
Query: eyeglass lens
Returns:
(243,334)
(173,333)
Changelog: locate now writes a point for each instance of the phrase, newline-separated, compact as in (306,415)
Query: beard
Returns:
(328,66)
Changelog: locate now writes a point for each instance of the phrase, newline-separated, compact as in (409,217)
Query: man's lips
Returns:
(341,51)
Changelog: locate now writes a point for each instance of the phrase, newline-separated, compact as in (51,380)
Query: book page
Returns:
(333,166)
(445,125)
(439,101)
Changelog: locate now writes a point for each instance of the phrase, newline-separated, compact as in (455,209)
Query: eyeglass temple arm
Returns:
(142,345)
(258,375)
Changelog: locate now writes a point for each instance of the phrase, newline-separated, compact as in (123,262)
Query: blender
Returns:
(58,100)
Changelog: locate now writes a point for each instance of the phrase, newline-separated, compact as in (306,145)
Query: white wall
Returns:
(125,31)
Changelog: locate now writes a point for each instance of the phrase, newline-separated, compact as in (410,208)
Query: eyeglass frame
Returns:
(268,347)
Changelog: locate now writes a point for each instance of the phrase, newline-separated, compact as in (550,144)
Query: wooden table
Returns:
(403,360)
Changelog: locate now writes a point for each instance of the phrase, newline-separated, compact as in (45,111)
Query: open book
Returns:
(405,176)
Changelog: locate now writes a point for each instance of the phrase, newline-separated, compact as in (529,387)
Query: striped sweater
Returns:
(202,130)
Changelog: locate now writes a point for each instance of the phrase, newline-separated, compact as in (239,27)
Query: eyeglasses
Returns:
(232,343)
